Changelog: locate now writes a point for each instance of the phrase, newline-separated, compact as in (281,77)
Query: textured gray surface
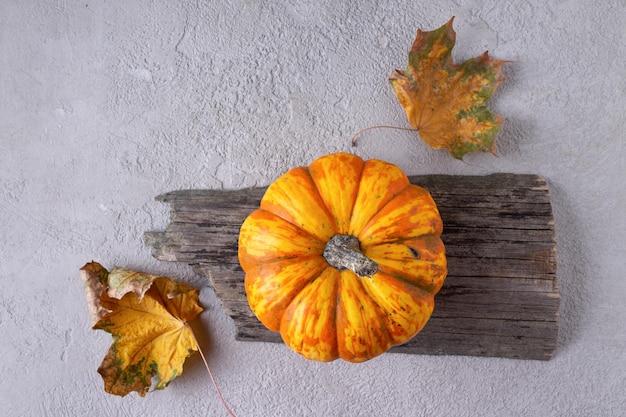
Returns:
(108,104)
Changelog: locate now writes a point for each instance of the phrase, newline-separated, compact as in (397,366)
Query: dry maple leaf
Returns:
(151,337)
(122,281)
(444,101)
(95,278)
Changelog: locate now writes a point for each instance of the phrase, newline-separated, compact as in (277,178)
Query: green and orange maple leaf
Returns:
(148,316)
(445,102)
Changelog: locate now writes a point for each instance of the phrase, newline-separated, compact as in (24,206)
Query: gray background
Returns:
(105,105)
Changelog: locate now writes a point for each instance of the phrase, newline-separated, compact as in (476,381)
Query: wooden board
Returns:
(500,297)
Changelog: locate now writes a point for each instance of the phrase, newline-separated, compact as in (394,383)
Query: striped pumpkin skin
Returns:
(296,283)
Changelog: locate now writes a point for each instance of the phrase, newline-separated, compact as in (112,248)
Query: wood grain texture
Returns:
(500,298)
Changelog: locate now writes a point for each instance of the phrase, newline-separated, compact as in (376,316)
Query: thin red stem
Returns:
(217,388)
(380,127)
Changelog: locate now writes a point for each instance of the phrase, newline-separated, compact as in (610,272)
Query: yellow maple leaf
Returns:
(151,334)
(444,101)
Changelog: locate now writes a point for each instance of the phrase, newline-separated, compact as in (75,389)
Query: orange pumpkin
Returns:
(343,258)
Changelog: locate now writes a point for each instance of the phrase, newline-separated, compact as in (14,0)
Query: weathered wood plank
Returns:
(501,294)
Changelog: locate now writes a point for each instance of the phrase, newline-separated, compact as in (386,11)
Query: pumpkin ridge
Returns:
(316,346)
(419,261)
(421,286)
(275,208)
(394,317)
(430,289)
(282,240)
(303,231)
(320,178)
(429,205)
(324,206)
(358,190)
(281,298)
(406,239)
(288,258)
(372,162)
(385,340)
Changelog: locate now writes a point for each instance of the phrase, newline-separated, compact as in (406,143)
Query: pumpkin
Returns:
(343,258)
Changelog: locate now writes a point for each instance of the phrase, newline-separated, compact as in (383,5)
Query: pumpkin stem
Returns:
(344,252)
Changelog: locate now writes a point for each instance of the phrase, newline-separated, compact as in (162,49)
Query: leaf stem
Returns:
(217,388)
(360,132)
